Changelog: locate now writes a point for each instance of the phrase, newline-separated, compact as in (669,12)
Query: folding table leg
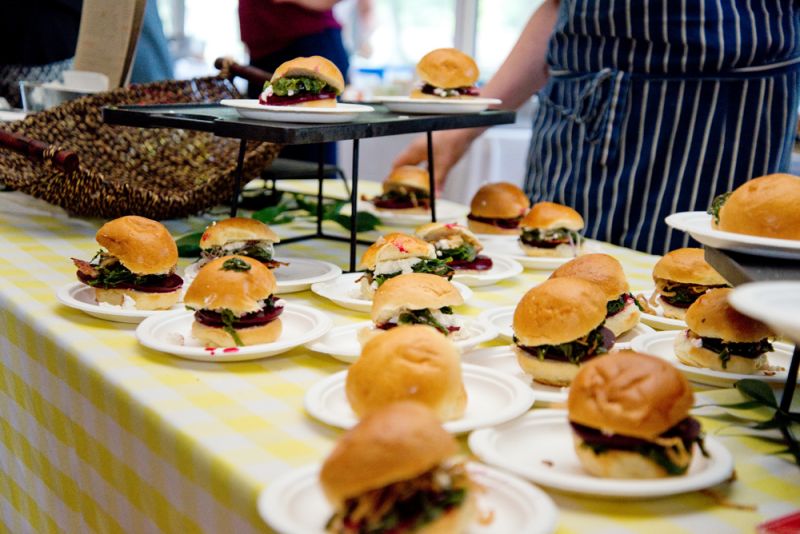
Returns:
(354,207)
(431,177)
(320,178)
(237,187)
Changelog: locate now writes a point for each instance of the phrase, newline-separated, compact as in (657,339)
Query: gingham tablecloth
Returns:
(101,434)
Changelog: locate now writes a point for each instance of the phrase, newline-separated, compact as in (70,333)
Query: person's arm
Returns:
(522,74)
(316,5)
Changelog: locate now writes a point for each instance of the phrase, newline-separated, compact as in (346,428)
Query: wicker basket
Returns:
(68,157)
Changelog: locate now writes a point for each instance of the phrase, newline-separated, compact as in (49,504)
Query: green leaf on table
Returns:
(364,223)
(304,204)
(189,245)
(758,391)
(766,425)
(273,215)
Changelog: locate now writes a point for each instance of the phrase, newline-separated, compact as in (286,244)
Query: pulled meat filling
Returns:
(681,295)
(595,343)
(106,272)
(536,237)
(402,198)
(404,506)
(726,349)
(511,223)
(429,89)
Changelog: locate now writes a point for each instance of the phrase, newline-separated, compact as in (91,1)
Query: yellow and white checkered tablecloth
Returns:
(101,434)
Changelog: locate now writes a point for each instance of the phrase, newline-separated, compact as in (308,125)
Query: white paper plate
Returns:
(345,292)
(492,398)
(295,504)
(502,269)
(342,343)
(774,303)
(446,211)
(406,104)
(79,296)
(503,318)
(539,447)
(297,276)
(698,225)
(661,344)
(251,109)
(171,333)
(509,247)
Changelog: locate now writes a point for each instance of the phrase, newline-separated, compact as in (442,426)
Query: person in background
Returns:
(275,31)
(153,60)
(646,108)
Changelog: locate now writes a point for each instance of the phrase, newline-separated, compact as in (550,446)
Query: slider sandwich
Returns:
(765,206)
(558,326)
(395,254)
(721,338)
(239,236)
(498,208)
(410,362)
(406,190)
(447,73)
(304,81)
(397,471)
(552,230)
(605,272)
(234,303)
(456,245)
(681,277)
(136,267)
(629,415)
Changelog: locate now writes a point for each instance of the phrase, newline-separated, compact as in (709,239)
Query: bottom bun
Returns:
(690,354)
(616,463)
(212,336)
(325,103)
(485,228)
(561,251)
(143,300)
(623,321)
(548,372)
(672,312)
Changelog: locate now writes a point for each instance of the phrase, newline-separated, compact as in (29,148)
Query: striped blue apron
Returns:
(650,110)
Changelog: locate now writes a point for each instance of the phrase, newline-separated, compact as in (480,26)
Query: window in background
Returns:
(498,26)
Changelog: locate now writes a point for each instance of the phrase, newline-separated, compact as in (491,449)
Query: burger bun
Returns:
(142,245)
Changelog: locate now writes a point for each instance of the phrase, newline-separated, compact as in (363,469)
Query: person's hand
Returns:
(448,147)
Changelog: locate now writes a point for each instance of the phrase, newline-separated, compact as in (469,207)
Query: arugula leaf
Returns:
(465,252)
(235,264)
(717,204)
(228,319)
(189,245)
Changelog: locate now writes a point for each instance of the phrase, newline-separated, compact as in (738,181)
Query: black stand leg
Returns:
(354,207)
(432,178)
(320,179)
(237,187)
(791,381)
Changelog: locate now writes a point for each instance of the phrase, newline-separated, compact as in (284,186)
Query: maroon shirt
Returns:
(268,26)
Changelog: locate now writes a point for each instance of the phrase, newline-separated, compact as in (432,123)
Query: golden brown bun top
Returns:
(629,393)
(557,311)
(413,291)
(216,288)
(768,206)
(549,215)
(600,269)
(312,67)
(687,266)
(142,245)
(396,246)
(433,232)
(236,229)
(500,200)
(398,442)
(712,316)
(448,68)
(408,176)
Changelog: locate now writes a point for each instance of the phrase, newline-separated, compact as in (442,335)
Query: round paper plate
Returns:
(539,447)
(698,225)
(251,109)
(662,344)
(502,269)
(342,343)
(297,276)
(774,303)
(171,333)
(79,296)
(492,398)
(346,292)
(446,211)
(406,104)
(295,504)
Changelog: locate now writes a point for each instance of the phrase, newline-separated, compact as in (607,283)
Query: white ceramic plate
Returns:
(502,269)
(297,276)
(509,246)
(345,292)
(171,333)
(342,343)
(661,344)
(406,104)
(492,398)
(539,447)
(446,211)
(503,318)
(79,296)
(774,303)
(698,225)
(251,109)
(295,504)
(657,320)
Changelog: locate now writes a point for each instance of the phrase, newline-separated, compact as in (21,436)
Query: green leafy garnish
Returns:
(575,351)
(430,266)
(228,320)
(235,264)
(717,204)
(116,274)
(465,252)
(299,84)
(423,317)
